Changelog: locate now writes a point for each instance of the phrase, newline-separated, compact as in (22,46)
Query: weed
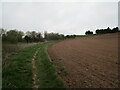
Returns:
(64,70)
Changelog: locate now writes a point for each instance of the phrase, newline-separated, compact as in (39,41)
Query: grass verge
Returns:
(80,36)
(46,72)
(17,71)
(8,48)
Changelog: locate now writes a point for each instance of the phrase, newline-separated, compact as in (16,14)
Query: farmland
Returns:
(64,44)
(83,62)
(90,62)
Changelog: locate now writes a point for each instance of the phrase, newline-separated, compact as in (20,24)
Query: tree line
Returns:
(15,36)
(103,31)
(12,36)
(88,32)
(108,30)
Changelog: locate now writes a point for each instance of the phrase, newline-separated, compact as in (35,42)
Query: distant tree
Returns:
(88,32)
(108,30)
(115,29)
(28,33)
(2,31)
(39,37)
(20,35)
(33,36)
(45,34)
(70,36)
(4,38)
(67,36)
(74,36)
(53,36)
(12,36)
(3,34)
(27,38)
(62,36)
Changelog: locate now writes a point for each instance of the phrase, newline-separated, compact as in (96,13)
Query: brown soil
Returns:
(91,62)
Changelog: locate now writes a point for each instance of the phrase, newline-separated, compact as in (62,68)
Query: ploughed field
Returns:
(90,62)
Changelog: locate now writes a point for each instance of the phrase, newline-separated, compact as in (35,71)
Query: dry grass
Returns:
(8,49)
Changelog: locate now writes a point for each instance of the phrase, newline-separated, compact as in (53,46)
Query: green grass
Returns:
(64,70)
(80,36)
(46,73)
(17,71)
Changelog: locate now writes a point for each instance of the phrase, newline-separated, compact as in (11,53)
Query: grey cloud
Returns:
(66,18)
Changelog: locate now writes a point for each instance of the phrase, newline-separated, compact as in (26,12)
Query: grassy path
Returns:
(46,73)
(17,71)
(31,68)
(35,80)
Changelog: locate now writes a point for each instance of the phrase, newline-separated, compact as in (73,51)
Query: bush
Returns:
(53,36)
(70,36)
(12,36)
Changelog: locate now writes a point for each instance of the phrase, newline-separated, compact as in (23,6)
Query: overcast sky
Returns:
(61,17)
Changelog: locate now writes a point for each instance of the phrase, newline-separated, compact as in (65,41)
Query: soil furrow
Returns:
(92,62)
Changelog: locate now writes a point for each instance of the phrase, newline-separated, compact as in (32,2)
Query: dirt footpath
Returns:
(91,62)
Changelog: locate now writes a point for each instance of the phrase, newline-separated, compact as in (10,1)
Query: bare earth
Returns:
(91,62)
